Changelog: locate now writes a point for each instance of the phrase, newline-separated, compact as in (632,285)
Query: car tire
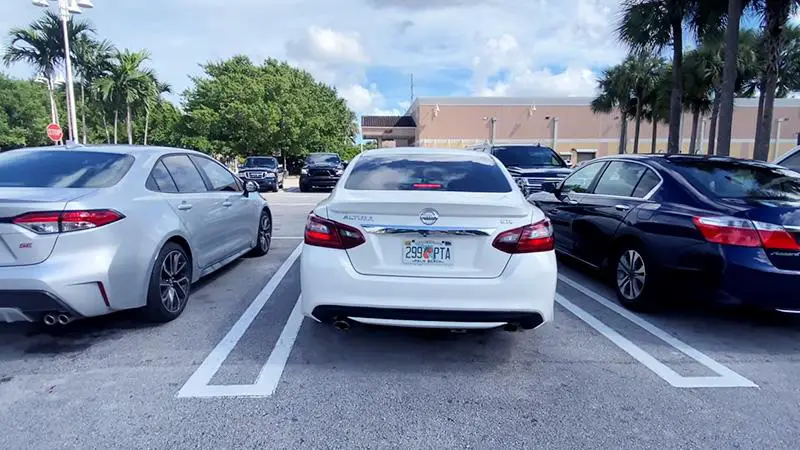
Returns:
(170,284)
(304,188)
(264,237)
(635,278)
(276,188)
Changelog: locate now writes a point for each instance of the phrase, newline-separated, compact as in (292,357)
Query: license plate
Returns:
(423,253)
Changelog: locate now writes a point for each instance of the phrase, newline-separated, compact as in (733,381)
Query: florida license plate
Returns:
(438,253)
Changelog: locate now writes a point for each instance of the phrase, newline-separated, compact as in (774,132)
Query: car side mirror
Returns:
(345,163)
(250,186)
(552,188)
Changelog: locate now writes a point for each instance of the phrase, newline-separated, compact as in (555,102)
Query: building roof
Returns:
(387,121)
(560,101)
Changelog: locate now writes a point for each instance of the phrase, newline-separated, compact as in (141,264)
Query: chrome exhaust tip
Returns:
(341,325)
(64,319)
(49,320)
(511,327)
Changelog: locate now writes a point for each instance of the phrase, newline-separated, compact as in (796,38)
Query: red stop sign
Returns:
(54,132)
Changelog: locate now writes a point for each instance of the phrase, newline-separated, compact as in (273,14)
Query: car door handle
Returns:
(571,201)
(622,207)
(184,206)
(227,204)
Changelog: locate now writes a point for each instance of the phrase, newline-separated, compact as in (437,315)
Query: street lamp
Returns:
(67,7)
(778,136)
(493,120)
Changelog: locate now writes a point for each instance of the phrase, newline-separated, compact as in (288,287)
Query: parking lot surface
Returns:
(242,369)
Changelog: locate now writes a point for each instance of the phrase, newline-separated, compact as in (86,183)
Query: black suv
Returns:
(532,165)
(321,170)
(265,171)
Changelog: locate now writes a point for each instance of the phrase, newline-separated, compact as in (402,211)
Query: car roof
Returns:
(406,151)
(661,158)
(788,154)
(120,149)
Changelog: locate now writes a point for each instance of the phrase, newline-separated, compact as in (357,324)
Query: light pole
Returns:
(778,136)
(493,120)
(555,133)
(67,7)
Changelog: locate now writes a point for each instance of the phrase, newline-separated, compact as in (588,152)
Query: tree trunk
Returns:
(146,124)
(776,15)
(712,132)
(116,126)
(638,125)
(730,72)
(623,134)
(761,94)
(83,112)
(693,139)
(673,146)
(129,124)
(655,136)
(105,127)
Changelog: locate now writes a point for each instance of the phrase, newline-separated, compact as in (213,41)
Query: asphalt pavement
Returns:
(242,369)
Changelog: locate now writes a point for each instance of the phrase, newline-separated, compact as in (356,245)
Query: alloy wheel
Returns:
(174,281)
(631,274)
(264,233)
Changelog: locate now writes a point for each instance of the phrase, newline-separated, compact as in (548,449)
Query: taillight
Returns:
(537,237)
(327,233)
(745,233)
(66,221)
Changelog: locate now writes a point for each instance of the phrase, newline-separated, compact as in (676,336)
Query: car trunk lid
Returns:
(429,233)
(20,246)
(785,214)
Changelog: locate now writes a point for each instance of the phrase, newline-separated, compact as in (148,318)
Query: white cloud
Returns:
(327,45)
(527,82)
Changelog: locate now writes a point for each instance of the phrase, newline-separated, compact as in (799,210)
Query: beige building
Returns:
(566,124)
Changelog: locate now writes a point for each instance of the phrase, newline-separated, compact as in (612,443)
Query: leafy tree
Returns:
(615,94)
(92,60)
(126,85)
(698,88)
(23,113)
(242,109)
(656,108)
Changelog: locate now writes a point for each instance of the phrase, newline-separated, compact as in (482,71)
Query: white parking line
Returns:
(197,385)
(726,378)
(271,372)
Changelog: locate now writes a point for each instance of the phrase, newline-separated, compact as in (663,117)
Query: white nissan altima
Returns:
(428,238)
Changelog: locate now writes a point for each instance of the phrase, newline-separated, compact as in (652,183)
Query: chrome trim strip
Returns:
(793,228)
(788,311)
(426,231)
(646,197)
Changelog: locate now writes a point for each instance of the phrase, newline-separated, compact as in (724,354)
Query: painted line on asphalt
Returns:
(197,384)
(271,373)
(726,378)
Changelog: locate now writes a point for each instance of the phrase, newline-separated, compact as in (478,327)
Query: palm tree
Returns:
(126,85)
(652,25)
(641,71)
(657,103)
(698,88)
(774,60)
(157,88)
(92,61)
(615,93)
(41,45)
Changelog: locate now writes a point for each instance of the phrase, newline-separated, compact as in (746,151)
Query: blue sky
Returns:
(367,49)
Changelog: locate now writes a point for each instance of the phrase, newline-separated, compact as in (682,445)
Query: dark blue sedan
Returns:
(721,227)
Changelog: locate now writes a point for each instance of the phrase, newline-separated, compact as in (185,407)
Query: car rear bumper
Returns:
(749,278)
(523,294)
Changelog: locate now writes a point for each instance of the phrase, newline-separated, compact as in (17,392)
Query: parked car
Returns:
(321,170)
(264,171)
(790,159)
(720,228)
(87,231)
(428,238)
(532,165)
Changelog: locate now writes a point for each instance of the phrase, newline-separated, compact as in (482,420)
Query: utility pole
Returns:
(493,121)
(555,133)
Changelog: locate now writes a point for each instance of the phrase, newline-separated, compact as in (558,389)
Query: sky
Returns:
(368,49)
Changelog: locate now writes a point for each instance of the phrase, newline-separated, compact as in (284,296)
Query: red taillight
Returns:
(66,221)
(327,233)
(537,237)
(426,186)
(745,233)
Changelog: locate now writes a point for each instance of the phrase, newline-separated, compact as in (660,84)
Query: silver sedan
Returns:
(86,231)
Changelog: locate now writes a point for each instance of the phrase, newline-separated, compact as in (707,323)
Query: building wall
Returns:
(456,125)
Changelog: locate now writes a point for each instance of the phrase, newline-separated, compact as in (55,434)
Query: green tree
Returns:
(126,85)
(615,93)
(242,109)
(652,25)
(23,113)
(698,87)
(92,60)
(153,100)
(656,108)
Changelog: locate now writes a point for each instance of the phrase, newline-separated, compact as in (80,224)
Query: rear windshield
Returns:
(62,168)
(261,162)
(528,157)
(733,179)
(426,172)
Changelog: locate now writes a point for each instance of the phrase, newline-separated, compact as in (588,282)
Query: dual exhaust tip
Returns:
(53,319)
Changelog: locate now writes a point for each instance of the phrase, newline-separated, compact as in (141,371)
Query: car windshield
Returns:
(261,162)
(427,172)
(528,157)
(323,158)
(62,168)
(741,180)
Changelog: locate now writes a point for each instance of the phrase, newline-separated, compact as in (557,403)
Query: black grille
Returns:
(31,302)
(527,320)
(321,173)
